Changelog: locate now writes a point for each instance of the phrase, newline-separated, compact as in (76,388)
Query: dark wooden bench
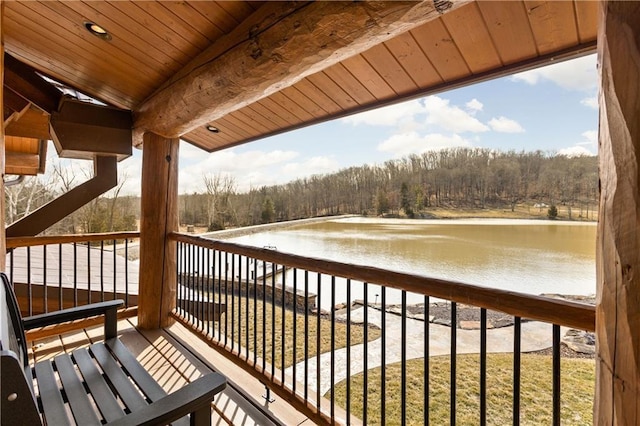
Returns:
(101,384)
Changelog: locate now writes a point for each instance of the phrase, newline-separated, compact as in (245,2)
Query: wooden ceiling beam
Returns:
(26,82)
(277,46)
(14,101)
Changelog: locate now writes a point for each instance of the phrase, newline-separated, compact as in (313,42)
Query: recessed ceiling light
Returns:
(97,30)
(213,129)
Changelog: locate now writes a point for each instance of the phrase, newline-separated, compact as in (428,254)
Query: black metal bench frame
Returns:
(101,384)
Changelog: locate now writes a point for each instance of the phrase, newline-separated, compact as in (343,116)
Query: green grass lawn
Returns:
(271,323)
(577,383)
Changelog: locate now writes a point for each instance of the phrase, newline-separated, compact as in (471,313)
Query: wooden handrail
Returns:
(562,312)
(15,242)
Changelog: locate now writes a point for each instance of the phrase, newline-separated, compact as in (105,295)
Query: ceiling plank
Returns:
(256,60)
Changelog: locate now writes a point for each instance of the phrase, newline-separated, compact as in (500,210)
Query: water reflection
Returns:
(526,256)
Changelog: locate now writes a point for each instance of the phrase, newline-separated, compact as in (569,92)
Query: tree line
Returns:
(407,187)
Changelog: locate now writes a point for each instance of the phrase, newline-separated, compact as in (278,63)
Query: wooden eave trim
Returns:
(563,55)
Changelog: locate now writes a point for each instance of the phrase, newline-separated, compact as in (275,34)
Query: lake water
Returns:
(528,256)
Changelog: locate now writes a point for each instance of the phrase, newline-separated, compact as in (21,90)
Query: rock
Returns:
(470,325)
(580,341)
(442,321)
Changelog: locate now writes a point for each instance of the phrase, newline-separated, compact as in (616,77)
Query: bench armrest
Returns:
(191,398)
(109,309)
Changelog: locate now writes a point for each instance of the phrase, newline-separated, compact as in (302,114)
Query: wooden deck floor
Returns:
(174,357)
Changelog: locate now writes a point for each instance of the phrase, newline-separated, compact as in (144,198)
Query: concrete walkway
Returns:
(535,336)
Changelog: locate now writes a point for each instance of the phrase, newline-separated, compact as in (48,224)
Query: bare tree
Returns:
(218,188)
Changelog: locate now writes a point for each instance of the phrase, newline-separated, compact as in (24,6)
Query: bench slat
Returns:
(100,390)
(129,394)
(143,379)
(52,403)
(81,406)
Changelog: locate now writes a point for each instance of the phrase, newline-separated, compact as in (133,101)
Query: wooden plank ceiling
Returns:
(153,41)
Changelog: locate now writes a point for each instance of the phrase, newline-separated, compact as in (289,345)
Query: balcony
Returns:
(289,360)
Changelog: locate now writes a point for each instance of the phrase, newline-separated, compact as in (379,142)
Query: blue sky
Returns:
(553,109)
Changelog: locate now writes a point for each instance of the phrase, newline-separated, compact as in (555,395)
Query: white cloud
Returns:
(451,118)
(590,138)
(576,151)
(247,168)
(391,115)
(505,125)
(588,146)
(474,106)
(404,144)
(576,74)
(591,102)
(433,111)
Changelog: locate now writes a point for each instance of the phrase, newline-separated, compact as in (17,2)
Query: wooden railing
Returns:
(55,272)
(274,314)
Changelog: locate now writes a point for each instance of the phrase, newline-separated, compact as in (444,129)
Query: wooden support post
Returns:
(617,399)
(3,240)
(159,217)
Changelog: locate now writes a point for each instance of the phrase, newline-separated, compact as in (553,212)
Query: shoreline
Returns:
(574,343)
(471,217)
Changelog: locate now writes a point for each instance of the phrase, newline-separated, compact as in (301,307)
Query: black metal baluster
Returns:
(88,272)
(126,272)
(348,407)
(365,358)
(403,360)
(483,366)
(516,370)
(192,283)
(556,375)
(12,260)
(295,327)
(114,269)
(209,291)
(60,305)
(75,274)
(238,295)
(246,324)
(318,325)
(427,311)
(226,296)
(273,320)
(452,379)
(264,315)
(306,335)
(233,299)
(29,289)
(218,271)
(102,270)
(45,296)
(255,311)
(179,267)
(383,355)
(283,322)
(333,346)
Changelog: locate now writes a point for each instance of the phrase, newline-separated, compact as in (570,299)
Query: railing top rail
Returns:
(555,311)
(15,242)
